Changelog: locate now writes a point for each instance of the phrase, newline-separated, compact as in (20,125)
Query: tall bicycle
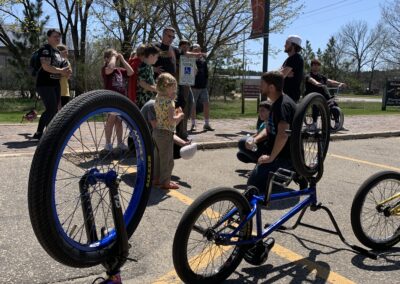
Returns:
(216,231)
(85,202)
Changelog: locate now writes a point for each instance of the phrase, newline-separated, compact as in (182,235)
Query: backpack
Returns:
(34,63)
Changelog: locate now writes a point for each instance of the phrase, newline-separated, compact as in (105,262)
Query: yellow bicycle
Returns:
(375,211)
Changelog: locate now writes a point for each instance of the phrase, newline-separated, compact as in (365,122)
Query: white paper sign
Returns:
(187,71)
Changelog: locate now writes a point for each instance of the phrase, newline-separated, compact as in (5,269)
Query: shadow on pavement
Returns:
(21,144)
(226,135)
(296,270)
(157,195)
(29,142)
(387,261)
(180,182)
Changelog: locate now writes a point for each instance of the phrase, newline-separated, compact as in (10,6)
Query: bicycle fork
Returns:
(120,249)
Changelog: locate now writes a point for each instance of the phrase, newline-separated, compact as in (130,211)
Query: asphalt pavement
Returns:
(301,256)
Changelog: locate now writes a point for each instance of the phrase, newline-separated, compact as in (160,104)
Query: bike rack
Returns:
(120,249)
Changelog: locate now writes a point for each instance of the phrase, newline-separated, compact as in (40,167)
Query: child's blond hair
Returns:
(164,81)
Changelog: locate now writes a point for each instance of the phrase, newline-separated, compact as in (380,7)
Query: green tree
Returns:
(391,18)
(332,58)
(27,36)
(131,21)
(217,23)
(308,55)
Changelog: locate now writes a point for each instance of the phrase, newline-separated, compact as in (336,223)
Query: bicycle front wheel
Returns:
(74,223)
(375,212)
(197,255)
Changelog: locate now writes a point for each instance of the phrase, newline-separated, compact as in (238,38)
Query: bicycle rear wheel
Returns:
(73,224)
(375,212)
(310,134)
(197,258)
(337,119)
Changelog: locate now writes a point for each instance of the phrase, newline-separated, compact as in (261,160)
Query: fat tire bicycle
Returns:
(216,232)
(375,212)
(85,202)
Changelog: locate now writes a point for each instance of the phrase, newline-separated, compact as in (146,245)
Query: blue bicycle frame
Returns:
(255,202)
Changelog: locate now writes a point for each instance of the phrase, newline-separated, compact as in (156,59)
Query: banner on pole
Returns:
(258,8)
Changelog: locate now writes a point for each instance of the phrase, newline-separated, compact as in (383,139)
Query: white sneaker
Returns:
(122,146)
(108,147)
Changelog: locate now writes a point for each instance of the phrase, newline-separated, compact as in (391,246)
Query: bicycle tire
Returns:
(376,182)
(200,207)
(58,164)
(337,119)
(304,140)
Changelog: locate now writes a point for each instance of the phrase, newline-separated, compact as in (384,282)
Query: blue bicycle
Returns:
(216,231)
(86,201)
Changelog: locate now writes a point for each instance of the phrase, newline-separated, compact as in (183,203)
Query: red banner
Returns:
(258,8)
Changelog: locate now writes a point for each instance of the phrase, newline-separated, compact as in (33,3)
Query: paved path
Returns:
(15,138)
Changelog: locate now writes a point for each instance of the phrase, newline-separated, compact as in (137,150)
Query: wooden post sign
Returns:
(392,94)
(187,71)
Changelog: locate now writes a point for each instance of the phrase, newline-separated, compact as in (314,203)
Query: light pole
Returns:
(266,35)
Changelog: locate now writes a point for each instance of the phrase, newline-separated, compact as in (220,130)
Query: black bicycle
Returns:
(336,113)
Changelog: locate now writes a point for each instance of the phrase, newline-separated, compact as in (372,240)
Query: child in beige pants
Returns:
(163,133)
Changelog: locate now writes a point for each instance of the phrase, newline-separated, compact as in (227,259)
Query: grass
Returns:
(366,108)
(12,110)
(351,95)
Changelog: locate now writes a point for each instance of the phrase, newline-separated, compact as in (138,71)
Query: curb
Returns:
(335,137)
(233,144)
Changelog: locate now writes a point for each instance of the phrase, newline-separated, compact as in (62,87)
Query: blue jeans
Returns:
(259,176)
(247,156)
(51,96)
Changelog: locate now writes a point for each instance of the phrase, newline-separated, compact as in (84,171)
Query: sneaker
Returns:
(37,135)
(193,128)
(108,147)
(207,127)
(122,146)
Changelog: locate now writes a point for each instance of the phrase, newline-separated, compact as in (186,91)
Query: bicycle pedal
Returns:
(270,242)
(258,253)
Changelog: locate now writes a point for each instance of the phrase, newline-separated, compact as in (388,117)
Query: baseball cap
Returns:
(187,152)
(196,45)
(294,39)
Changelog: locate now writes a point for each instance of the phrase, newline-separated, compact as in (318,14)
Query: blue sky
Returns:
(317,23)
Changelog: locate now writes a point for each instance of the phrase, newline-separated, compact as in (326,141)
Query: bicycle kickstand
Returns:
(338,232)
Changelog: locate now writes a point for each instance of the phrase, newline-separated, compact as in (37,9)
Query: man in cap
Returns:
(292,68)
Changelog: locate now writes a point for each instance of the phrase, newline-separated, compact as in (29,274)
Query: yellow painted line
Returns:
(364,162)
(322,272)
(171,276)
(13,155)
(326,274)
(181,197)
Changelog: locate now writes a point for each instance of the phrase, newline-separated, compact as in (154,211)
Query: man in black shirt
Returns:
(277,150)
(316,82)
(168,54)
(53,66)
(292,68)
